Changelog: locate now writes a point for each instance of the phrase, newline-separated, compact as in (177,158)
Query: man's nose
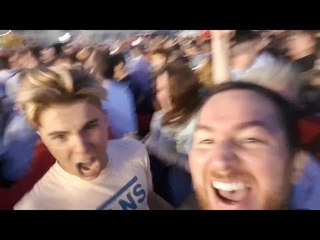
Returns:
(81,144)
(224,156)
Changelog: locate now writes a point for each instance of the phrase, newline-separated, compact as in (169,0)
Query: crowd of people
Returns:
(226,120)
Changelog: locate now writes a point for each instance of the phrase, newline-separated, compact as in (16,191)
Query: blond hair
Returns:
(42,87)
(204,73)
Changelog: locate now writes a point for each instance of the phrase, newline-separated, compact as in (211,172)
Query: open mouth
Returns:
(85,166)
(231,193)
(90,169)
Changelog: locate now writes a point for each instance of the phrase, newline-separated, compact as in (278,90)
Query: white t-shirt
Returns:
(123,185)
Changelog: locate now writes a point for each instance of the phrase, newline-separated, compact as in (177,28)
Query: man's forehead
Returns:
(69,125)
(235,126)
(79,109)
(234,96)
(238,103)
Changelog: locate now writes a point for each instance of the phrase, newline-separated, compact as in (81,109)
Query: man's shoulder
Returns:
(128,156)
(44,188)
(126,146)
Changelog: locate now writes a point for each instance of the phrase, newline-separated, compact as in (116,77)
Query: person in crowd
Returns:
(245,152)
(64,106)
(170,137)
(122,115)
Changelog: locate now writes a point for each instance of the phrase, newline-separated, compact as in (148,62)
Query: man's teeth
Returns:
(236,186)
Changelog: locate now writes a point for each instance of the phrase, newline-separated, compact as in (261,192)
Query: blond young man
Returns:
(64,106)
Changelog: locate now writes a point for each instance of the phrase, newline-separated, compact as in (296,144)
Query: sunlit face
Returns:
(47,54)
(76,135)
(90,64)
(68,49)
(240,158)
(163,92)
(157,61)
(26,61)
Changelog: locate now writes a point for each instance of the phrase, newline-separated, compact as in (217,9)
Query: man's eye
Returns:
(59,137)
(206,141)
(93,125)
(251,140)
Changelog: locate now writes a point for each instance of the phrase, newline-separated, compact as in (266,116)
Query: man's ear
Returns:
(298,165)
(42,139)
(39,134)
(105,115)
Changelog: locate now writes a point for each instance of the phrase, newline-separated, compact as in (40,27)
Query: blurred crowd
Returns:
(156,86)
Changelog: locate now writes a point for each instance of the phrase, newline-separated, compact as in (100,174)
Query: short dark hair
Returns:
(244,35)
(114,60)
(4,63)
(288,111)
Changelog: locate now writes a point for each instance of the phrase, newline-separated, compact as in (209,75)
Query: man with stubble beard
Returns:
(245,146)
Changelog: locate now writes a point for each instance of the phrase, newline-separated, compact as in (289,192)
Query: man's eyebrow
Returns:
(254,123)
(93,121)
(200,127)
(57,133)
(240,126)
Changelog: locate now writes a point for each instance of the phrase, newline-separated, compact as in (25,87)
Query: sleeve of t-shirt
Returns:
(24,203)
(146,163)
